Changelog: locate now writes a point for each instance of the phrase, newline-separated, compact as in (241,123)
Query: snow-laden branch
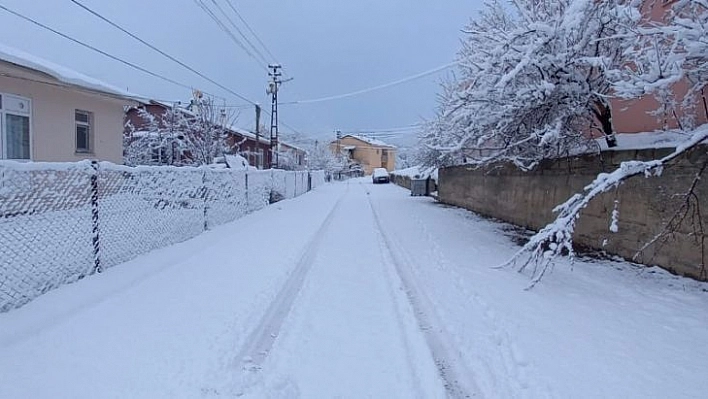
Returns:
(556,239)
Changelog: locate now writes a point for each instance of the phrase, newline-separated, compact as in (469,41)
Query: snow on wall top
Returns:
(370,140)
(646,140)
(60,73)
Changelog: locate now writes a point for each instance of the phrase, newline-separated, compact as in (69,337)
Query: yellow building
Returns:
(369,153)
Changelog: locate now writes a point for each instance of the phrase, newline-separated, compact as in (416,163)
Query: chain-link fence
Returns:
(60,222)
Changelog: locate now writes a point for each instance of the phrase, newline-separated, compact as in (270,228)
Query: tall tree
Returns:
(534,80)
(181,136)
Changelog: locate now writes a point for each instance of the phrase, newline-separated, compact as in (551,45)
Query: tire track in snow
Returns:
(259,343)
(513,359)
(450,366)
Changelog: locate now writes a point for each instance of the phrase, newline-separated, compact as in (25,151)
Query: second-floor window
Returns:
(84,132)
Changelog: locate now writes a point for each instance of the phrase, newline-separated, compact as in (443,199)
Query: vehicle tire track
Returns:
(259,343)
(450,366)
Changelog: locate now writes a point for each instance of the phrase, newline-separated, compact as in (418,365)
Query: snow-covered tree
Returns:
(533,80)
(536,76)
(321,157)
(181,136)
(665,55)
(668,61)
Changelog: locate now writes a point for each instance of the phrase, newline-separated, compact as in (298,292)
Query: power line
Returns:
(254,48)
(238,14)
(161,52)
(88,46)
(375,88)
(130,64)
(226,30)
(385,130)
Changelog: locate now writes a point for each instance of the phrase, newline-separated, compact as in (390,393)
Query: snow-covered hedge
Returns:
(60,222)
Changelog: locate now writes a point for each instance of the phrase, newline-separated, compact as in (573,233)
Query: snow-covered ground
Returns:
(356,290)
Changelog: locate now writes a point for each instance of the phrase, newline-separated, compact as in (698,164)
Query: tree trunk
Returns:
(603,113)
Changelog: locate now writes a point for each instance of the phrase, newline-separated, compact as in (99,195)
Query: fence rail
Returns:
(60,222)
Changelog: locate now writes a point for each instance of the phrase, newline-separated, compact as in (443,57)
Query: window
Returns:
(15,115)
(84,140)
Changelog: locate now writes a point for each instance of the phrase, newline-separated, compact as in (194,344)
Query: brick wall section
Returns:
(527,199)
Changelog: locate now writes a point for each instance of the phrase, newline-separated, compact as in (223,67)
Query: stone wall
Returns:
(405,182)
(645,204)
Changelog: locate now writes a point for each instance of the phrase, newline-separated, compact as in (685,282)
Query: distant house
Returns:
(255,149)
(370,153)
(51,113)
(291,156)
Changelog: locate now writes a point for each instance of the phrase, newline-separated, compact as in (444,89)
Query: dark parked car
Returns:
(380,175)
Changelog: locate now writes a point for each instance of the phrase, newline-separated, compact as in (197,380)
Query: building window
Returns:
(84,131)
(15,113)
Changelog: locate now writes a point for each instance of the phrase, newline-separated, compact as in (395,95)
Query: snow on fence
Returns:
(60,222)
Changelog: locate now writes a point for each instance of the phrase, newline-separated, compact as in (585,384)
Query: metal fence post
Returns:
(248,203)
(94,218)
(205,194)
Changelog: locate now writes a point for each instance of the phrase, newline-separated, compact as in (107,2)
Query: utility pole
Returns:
(339,137)
(258,136)
(273,87)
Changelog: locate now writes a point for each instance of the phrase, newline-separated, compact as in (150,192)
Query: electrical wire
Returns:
(233,24)
(168,56)
(385,130)
(130,64)
(228,31)
(238,14)
(375,88)
(92,48)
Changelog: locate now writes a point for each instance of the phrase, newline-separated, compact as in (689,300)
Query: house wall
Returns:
(645,204)
(297,154)
(368,155)
(633,116)
(52,131)
(249,145)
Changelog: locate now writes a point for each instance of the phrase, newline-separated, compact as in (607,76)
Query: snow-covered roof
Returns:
(292,146)
(61,73)
(371,141)
(245,133)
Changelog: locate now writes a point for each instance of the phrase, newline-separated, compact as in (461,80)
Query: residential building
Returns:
(369,153)
(635,116)
(51,113)
(150,115)
(291,157)
(255,148)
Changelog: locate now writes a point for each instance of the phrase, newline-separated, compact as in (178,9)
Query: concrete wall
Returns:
(645,205)
(52,129)
(405,182)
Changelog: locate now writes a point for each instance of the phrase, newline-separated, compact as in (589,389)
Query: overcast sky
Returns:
(329,47)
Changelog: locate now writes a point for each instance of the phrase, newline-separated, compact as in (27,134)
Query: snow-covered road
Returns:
(357,290)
